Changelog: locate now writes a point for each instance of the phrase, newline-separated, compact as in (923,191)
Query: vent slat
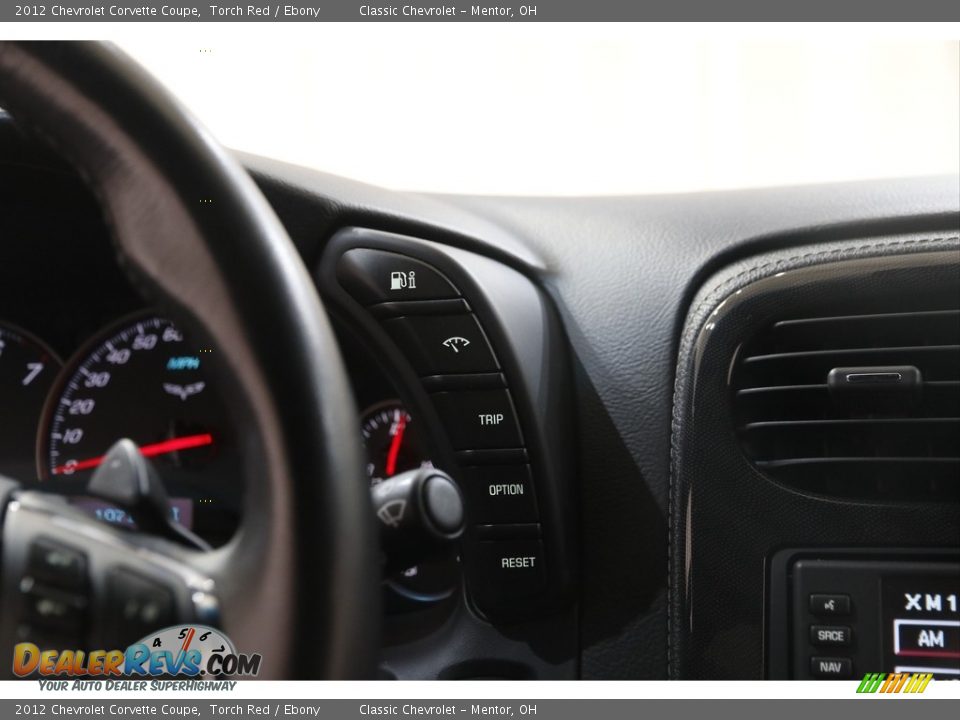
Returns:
(875,317)
(882,442)
(939,399)
(810,367)
(847,422)
(785,462)
(845,331)
(861,351)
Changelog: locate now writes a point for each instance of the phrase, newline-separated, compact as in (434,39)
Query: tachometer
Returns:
(393,446)
(27,370)
(144,381)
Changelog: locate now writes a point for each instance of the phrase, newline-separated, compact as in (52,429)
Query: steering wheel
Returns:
(299,582)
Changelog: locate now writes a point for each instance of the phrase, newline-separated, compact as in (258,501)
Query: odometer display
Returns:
(145,382)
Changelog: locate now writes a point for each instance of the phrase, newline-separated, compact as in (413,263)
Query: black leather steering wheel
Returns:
(300,581)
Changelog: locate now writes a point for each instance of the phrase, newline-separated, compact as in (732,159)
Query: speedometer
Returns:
(144,381)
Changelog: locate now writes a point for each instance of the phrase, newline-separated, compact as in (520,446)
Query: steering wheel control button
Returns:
(507,570)
(439,345)
(443,504)
(500,494)
(136,606)
(827,668)
(829,635)
(57,565)
(376,276)
(53,609)
(479,419)
(830,604)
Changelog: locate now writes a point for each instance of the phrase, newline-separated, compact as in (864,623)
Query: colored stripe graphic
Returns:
(894,683)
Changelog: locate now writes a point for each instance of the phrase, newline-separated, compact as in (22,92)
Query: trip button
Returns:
(830,604)
(505,570)
(374,276)
(830,667)
(500,494)
(443,344)
(829,635)
(477,419)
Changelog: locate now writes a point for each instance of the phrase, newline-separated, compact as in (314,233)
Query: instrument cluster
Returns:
(138,378)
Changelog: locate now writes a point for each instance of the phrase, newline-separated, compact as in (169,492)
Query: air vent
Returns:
(856,406)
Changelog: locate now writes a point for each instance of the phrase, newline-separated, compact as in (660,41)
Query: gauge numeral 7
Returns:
(33,369)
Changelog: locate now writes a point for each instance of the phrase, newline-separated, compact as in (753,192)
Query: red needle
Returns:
(161,448)
(391,468)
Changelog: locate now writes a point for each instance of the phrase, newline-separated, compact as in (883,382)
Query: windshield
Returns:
(602,110)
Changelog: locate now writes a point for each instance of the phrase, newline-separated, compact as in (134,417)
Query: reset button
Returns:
(504,570)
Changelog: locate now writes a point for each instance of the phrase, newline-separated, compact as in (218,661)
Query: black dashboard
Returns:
(588,372)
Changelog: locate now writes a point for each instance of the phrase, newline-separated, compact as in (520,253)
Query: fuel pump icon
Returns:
(403,280)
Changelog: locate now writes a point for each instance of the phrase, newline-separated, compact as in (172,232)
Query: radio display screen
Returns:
(921,617)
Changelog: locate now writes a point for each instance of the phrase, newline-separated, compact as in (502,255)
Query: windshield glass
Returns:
(603,110)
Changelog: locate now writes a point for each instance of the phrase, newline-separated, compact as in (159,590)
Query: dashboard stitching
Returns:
(692,328)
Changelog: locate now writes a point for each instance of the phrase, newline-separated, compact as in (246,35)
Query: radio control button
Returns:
(830,604)
(829,635)
(831,667)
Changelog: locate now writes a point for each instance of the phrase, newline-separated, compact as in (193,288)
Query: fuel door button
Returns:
(375,276)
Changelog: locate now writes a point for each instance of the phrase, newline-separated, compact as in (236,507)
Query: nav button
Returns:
(831,667)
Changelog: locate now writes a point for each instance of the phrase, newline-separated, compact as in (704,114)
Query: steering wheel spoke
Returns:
(68,580)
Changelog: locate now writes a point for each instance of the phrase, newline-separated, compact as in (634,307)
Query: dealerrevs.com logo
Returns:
(190,651)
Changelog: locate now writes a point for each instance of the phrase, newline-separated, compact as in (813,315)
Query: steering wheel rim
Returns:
(299,583)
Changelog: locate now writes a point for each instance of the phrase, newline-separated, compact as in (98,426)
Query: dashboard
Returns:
(84,362)
(629,392)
